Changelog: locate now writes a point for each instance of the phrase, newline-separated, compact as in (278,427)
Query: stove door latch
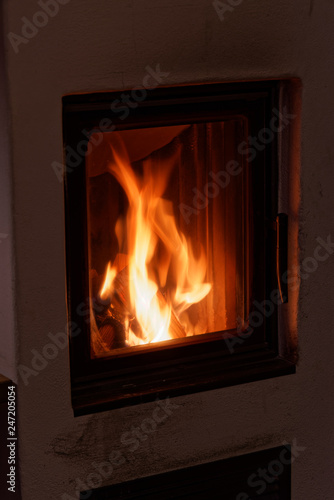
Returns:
(282,255)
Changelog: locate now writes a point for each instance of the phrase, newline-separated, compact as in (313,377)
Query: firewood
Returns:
(110,322)
(121,297)
(113,333)
(112,314)
(175,328)
(122,303)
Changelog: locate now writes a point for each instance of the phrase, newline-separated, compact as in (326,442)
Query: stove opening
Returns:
(168,234)
(174,245)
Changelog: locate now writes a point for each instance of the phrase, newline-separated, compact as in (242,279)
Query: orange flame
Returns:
(159,255)
(107,287)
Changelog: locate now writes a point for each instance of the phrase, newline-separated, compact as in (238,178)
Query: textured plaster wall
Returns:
(107,45)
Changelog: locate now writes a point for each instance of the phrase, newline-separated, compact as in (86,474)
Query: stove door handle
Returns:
(282,255)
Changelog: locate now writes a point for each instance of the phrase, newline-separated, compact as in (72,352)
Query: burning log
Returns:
(111,324)
(122,296)
(175,328)
(112,315)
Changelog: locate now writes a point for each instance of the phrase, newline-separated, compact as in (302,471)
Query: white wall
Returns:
(106,45)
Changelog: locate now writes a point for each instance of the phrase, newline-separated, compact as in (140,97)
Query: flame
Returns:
(159,257)
(107,288)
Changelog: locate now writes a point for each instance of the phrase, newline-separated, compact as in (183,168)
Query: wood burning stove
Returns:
(175,248)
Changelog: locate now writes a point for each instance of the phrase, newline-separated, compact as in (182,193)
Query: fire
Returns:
(106,289)
(159,278)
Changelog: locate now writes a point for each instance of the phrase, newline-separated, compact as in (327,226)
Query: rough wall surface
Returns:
(106,45)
